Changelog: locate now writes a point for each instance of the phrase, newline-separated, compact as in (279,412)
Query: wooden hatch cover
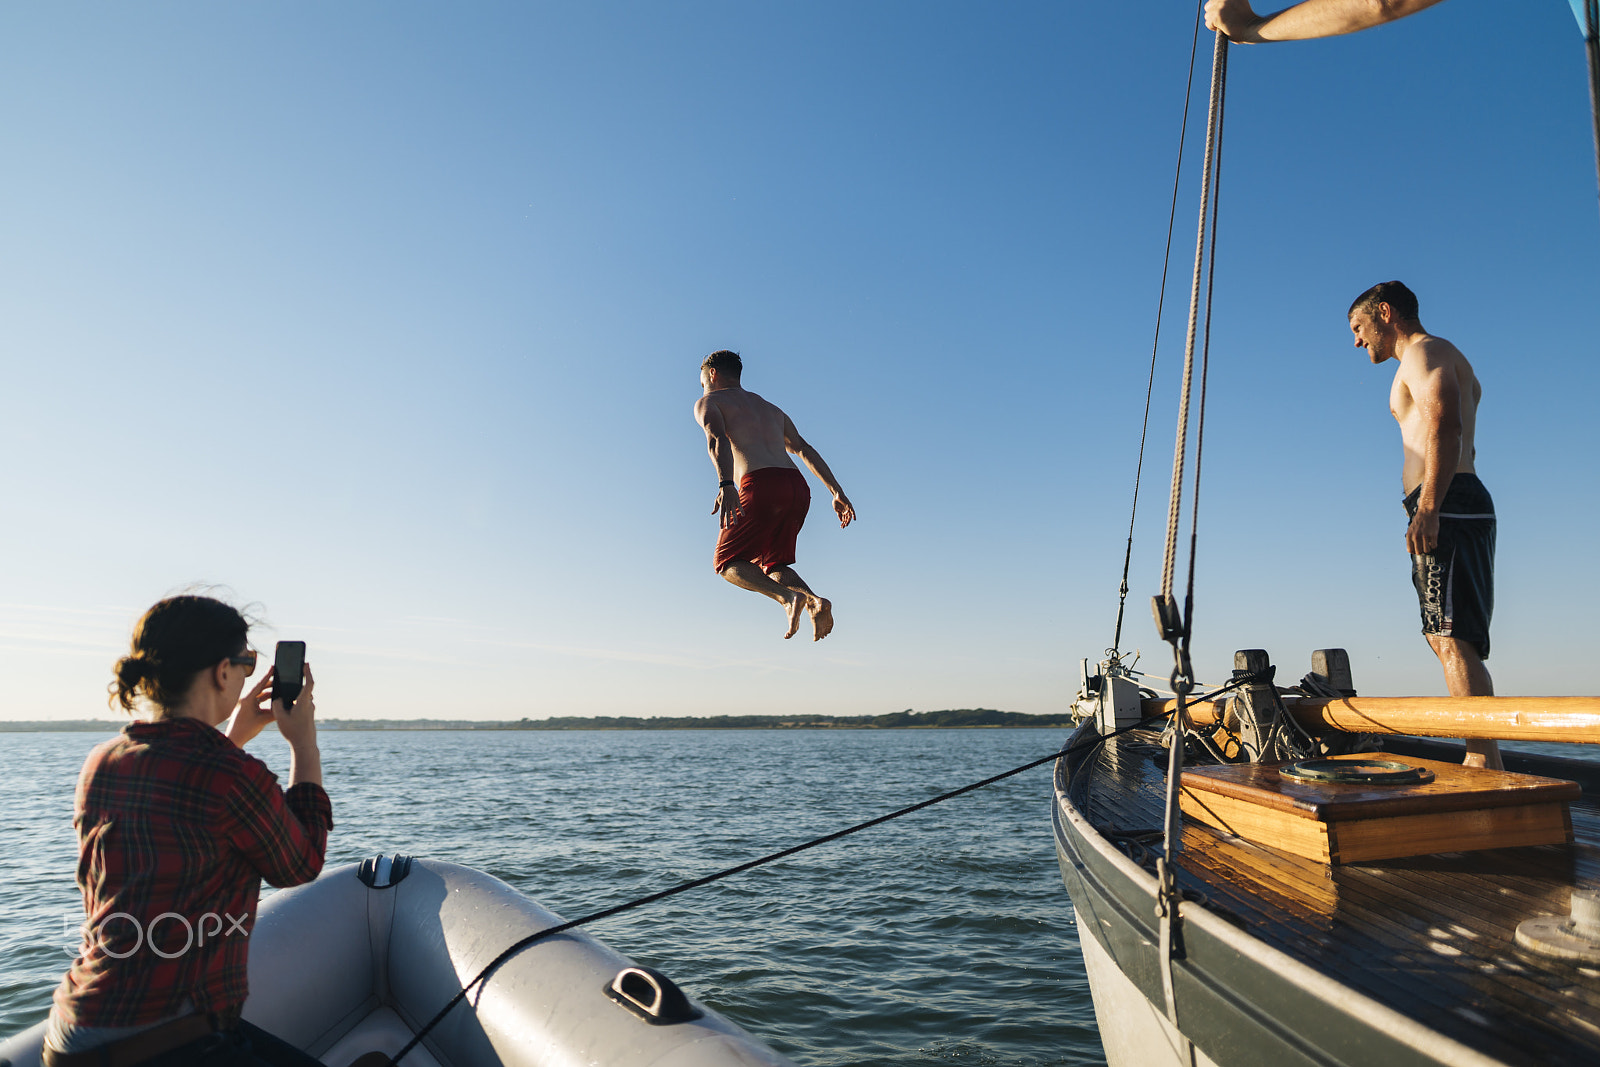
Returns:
(1460,809)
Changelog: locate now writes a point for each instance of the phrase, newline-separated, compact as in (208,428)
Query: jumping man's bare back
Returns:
(755,428)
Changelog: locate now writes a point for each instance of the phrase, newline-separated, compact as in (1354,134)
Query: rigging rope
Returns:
(1177,629)
(1219,65)
(1219,89)
(1069,750)
(684,887)
(1155,345)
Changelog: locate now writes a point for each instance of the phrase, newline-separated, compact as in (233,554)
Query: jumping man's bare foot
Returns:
(821,618)
(796,608)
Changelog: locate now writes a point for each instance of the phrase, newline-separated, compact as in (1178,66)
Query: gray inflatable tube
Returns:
(360,959)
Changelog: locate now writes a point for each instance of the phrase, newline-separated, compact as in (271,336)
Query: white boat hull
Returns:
(1133,1031)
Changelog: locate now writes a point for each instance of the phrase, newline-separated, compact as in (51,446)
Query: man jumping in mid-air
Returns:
(763,497)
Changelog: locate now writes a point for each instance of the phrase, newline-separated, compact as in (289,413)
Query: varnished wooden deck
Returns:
(1431,937)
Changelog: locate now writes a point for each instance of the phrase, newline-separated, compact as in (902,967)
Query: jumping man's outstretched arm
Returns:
(800,447)
(1313,18)
(709,416)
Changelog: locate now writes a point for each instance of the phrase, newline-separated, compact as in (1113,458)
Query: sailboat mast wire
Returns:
(1155,345)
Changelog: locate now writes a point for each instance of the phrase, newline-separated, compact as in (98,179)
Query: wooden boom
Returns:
(1570,719)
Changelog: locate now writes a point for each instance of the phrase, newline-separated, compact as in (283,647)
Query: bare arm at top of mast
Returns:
(1313,18)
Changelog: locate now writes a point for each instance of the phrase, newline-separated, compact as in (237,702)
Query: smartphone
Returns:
(289,672)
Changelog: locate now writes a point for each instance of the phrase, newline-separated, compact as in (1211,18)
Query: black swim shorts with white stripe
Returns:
(1455,582)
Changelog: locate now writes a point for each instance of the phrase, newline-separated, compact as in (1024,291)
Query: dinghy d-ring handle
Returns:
(651,995)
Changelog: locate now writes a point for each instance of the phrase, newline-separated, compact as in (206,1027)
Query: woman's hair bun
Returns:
(132,670)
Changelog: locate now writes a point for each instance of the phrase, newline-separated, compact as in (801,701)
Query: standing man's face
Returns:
(1376,336)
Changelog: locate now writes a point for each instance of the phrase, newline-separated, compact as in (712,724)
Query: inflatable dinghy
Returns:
(356,962)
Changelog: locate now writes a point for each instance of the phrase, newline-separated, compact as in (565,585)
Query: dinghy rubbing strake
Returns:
(383,872)
(652,996)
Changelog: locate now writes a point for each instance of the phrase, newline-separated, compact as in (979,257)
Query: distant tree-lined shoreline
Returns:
(957,718)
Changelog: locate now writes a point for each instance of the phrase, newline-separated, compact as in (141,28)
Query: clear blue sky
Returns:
(388,317)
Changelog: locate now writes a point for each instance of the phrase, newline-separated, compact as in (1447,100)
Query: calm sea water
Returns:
(942,938)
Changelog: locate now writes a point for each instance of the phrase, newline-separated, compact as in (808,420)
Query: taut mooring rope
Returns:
(729,872)
(512,950)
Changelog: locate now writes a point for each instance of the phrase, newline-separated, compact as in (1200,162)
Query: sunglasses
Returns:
(247,660)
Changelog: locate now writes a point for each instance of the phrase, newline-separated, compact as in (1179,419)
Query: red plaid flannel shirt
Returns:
(177,826)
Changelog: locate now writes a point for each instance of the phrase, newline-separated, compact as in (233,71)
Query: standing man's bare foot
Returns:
(821,618)
(796,608)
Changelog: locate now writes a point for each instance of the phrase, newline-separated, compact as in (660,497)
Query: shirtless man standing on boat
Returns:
(763,497)
(1451,532)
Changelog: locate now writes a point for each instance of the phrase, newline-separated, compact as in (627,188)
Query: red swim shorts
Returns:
(774,501)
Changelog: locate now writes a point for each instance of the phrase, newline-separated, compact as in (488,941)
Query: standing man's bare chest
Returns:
(1401,403)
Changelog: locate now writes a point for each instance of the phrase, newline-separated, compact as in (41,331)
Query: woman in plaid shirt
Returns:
(177,826)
